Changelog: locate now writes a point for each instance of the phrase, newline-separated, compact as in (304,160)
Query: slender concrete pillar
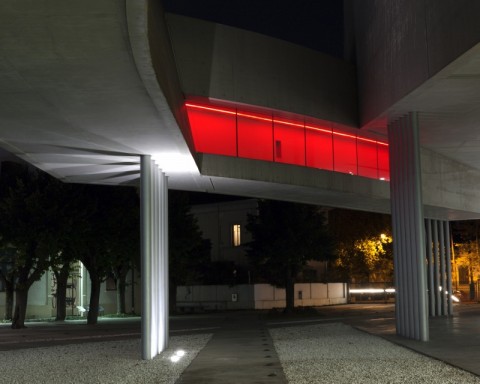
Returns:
(448,261)
(431,268)
(437,269)
(154,223)
(440,277)
(408,229)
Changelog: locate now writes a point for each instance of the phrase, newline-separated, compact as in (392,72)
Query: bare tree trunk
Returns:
(289,294)
(21,299)
(62,280)
(121,287)
(92,317)
(9,291)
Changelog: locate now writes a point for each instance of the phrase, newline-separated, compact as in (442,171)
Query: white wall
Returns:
(258,296)
(40,297)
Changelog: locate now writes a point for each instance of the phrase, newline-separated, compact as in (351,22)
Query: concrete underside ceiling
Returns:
(449,110)
(79,99)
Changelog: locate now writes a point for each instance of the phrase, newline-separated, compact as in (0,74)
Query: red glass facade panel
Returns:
(255,137)
(214,130)
(344,153)
(319,147)
(383,162)
(367,157)
(226,131)
(289,143)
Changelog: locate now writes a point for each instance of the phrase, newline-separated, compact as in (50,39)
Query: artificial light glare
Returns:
(177,356)
(170,162)
(392,290)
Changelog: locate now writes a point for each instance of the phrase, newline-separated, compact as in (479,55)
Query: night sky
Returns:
(316,24)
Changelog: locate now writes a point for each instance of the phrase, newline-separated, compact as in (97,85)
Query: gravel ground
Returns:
(102,362)
(337,354)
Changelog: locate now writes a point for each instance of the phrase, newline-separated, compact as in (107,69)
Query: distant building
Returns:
(224,224)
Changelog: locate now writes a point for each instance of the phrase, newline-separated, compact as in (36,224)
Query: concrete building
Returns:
(124,92)
(42,295)
(224,224)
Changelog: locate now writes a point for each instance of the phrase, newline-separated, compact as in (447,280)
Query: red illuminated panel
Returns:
(224,131)
(289,142)
(383,161)
(213,130)
(367,158)
(344,153)
(319,148)
(255,137)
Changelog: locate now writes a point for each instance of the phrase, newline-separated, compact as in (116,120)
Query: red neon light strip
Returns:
(210,109)
(288,123)
(318,129)
(254,117)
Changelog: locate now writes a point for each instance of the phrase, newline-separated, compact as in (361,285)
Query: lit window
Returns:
(236,235)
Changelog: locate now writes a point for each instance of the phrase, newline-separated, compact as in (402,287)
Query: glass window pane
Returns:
(289,143)
(367,158)
(255,137)
(319,148)
(214,131)
(344,153)
(236,235)
(383,161)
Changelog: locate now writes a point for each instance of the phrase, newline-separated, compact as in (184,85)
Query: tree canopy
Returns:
(50,224)
(363,245)
(285,237)
(30,224)
(189,253)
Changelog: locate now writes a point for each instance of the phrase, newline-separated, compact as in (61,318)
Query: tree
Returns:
(363,245)
(468,257)
(189,253)
(467,250)
(106,238)
(368,259)
(285,237)
(28,225)
(7,277)
(62,273)
(124,248)
(7,252)
(71,214)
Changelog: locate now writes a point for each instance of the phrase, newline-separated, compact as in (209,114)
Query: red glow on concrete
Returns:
(262,136)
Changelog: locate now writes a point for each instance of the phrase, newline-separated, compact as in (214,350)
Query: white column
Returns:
(154,233)
(448,261)
(440,279)
(408,229)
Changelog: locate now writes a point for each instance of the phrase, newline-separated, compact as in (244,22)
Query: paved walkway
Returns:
(235,355)
(454,340)
(241,350)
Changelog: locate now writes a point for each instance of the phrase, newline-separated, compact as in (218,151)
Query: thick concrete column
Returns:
(408,229)
(154,237)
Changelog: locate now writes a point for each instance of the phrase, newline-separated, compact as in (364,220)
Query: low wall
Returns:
(258,296)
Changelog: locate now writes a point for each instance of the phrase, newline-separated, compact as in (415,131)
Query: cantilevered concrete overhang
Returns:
(87,87)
